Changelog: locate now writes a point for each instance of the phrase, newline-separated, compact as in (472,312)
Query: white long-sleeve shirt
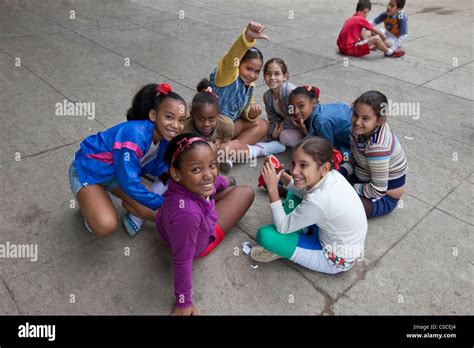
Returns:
(335,207)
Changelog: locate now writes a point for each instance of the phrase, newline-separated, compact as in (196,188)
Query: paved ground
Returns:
(419,260)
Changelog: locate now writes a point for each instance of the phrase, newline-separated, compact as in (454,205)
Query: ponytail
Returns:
(150,97)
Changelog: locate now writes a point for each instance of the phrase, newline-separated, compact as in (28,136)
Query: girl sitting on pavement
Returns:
(322,224)
(199,209)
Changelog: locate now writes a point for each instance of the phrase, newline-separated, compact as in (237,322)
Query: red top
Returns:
(350,32)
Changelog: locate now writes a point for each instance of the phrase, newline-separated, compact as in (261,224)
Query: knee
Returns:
(247,193)
(290,137)
(105,226)
(375,38)
(226,147)
(262,126)
(264,235)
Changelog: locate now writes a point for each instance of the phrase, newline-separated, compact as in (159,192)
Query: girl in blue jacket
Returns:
(115,160)
(330,121)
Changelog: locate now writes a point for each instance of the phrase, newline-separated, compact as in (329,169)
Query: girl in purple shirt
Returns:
(200,207)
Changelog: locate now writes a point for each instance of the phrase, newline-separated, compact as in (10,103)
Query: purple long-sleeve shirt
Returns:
(186,222)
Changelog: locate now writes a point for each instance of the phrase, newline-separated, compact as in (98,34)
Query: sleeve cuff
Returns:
(359,189)
(248,44)
(276,204)
(183,300)
(343,171)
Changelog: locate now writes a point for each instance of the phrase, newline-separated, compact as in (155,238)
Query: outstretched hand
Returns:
(254,31)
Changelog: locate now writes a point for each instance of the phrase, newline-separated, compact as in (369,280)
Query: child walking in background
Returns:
(395,24)
(234,82)
(116,159)
(205,118)
(322,225)
(199,209)
(351,41)
(377,168)
(276,99)
(330,121)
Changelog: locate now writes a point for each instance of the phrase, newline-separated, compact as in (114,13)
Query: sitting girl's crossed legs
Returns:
(303,249)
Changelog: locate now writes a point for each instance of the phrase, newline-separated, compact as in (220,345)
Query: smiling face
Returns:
(274,76)
(168,119)
(305,170)
(302,106)
(205,118)
(392,8)
(249,70)
(197,171)
(364,120)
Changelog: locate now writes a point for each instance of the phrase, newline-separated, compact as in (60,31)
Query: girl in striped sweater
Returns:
(378,166)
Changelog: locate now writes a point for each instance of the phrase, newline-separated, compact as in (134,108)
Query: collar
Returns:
(319,183)
(179,189)
(361,140)
(315,113)
(396,14)
(205,136)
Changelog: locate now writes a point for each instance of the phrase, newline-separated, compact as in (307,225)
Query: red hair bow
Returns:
(337,158)
(310,88)
(209,90)
(183,145)
(164,88)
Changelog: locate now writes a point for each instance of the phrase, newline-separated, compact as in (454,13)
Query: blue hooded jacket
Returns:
(333,122)
(116,152)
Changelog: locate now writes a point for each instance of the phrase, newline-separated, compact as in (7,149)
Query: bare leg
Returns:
(231,204)
(377,41)
(233,149)
(250,132)
(365,34)
(97,209)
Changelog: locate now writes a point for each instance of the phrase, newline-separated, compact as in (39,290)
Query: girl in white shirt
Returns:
(322,225)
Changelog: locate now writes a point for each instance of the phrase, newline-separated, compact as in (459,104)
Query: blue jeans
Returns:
(381,206)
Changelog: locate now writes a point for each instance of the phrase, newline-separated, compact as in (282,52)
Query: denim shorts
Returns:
(76,184)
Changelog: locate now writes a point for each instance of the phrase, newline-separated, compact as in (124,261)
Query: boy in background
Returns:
(395,24)
(350,41)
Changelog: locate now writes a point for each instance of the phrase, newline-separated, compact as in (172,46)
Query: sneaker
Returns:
(130,226)
(226,166)
(260,254)
(397,53)
(272,148)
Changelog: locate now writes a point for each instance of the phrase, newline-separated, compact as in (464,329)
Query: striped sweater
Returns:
(376,161)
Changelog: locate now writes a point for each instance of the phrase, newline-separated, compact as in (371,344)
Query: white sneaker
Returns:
(260,254)
(272,148)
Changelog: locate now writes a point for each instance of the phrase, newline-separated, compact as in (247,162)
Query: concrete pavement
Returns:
(418,260)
